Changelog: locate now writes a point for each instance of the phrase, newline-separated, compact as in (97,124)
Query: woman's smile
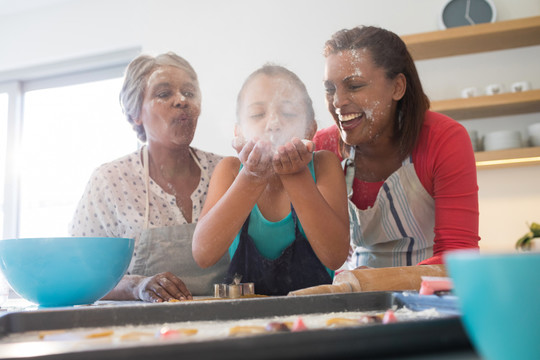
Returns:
(350,121)
(360,97)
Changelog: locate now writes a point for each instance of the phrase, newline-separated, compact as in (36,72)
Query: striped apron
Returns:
(398,229)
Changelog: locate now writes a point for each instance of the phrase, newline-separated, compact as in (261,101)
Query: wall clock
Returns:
(466,12)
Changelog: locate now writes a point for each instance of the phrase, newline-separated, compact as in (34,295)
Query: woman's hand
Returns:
(293,156)
(162,287)
(256,156)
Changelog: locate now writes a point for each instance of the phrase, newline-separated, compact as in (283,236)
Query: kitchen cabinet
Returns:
(482,38)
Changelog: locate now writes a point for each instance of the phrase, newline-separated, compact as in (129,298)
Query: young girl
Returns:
(280,209)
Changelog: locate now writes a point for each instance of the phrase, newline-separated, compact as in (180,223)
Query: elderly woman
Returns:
(411,172)
(155,194)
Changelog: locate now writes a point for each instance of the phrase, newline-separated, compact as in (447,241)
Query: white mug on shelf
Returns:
(494,89)
(469,92)
(502,139)
(520,86)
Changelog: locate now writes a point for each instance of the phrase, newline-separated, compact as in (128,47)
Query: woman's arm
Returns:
(451,165)
(321,207)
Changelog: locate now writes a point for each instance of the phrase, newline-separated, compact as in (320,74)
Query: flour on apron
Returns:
(169,249)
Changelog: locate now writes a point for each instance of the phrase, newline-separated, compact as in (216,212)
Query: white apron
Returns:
(168,248)
(398,230)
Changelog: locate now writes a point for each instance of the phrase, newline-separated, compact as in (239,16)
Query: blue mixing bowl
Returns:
(499,297)
(64,271)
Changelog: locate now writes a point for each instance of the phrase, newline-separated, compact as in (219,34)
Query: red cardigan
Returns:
(444,162)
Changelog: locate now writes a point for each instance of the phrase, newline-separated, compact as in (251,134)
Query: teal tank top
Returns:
(271,238)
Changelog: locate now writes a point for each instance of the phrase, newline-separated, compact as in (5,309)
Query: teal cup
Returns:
(499,296)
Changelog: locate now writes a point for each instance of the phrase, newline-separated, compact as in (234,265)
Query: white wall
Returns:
(227,39)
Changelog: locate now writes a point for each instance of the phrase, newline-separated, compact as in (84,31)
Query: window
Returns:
(67,132)
(66,126)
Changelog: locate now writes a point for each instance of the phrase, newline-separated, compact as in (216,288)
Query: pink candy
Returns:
(430,284)
(299,325)
(389,317)
(168,333)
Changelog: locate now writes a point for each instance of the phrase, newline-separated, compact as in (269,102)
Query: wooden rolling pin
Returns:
(376,279)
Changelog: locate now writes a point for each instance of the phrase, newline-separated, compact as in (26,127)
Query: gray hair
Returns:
(137,72)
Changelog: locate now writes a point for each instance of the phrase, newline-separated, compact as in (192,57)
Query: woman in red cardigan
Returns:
(411,172)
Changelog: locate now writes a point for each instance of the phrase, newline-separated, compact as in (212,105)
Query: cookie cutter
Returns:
(233,291)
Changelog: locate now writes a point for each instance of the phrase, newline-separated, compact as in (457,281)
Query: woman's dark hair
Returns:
(390,53)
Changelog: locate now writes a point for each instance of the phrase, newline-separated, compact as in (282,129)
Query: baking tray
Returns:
(370,341)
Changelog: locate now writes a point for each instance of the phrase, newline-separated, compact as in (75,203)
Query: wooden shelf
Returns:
(507,158)
(489,106)
(474,39)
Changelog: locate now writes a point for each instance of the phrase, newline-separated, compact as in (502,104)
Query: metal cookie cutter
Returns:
(233,291)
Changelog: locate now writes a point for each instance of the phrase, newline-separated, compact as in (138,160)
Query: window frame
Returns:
(11,183)
(17,82)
